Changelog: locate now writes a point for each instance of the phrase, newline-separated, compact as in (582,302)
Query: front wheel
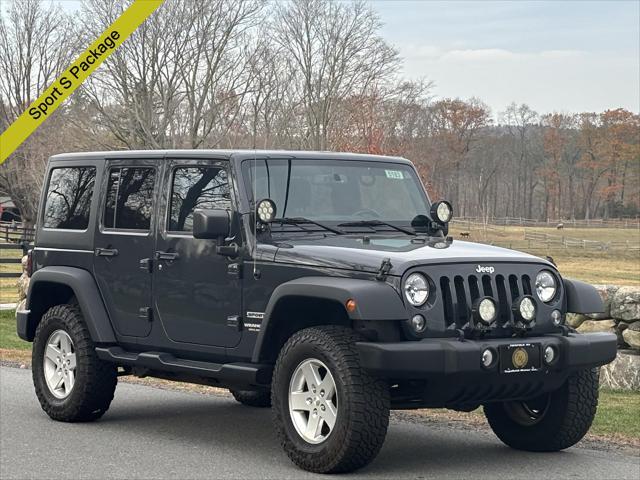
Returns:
(551,422)
(330,415)
(71,382)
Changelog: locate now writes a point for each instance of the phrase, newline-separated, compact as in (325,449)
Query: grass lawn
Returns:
(8,337)
(618,414)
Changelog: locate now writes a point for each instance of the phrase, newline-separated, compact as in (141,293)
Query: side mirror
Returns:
(211,224)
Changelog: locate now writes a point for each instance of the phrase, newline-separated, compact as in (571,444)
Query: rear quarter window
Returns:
(69,194)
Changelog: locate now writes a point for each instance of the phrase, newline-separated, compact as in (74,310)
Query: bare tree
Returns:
(28,65)
(520,120)
(180,80)
(336,50)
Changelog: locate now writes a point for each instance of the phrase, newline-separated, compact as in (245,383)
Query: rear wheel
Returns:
(71,382)
(260,399)
(551,422)
(331,416)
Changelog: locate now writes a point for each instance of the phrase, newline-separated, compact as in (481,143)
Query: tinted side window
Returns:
(68,200)
(196,187)
(129,202)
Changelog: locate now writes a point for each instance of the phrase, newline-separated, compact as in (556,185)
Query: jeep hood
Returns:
(358,253)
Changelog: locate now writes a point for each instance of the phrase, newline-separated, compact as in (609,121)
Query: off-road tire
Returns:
(363,402)
(95,380)
(567,419)
(260,399)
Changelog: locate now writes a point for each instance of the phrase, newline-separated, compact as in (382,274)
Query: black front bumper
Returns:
(439,357)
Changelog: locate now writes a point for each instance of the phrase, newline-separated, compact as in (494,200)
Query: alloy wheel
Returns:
(313,401)
(60,364)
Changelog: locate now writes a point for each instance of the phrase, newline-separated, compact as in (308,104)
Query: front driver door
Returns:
(194,294)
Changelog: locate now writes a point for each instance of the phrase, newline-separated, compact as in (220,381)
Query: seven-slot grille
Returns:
(460,292)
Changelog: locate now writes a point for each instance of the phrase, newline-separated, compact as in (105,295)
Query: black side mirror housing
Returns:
(211,224)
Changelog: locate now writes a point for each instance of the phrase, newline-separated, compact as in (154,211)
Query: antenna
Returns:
(255,225)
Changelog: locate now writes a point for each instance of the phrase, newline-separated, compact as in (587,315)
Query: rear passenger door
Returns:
(124,244)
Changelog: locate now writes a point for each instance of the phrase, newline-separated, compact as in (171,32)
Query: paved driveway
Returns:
(153,433)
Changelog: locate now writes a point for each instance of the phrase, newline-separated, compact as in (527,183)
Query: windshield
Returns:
(338,190)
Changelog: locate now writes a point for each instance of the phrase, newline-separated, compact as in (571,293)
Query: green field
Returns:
(620,266)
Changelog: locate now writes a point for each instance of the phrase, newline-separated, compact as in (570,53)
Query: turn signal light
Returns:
(351,305)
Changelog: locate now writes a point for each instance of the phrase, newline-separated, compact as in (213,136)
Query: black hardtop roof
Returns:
(224,154)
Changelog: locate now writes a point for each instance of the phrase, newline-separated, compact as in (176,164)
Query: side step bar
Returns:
(225,373)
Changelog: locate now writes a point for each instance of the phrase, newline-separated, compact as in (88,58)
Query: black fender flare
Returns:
(582,297)
(375,300)
(85,290)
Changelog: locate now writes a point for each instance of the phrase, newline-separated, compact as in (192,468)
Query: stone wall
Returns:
(622,317)
(23,286)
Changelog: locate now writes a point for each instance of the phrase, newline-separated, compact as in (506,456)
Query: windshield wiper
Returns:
(303,220)
(376,223)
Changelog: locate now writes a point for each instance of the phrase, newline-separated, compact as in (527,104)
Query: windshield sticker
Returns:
(395,174)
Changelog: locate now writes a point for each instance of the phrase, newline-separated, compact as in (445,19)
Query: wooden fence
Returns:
(16,233)
(538,240)
(529,222)
(25,246)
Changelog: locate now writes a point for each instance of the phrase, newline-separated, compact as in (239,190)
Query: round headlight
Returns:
(266,210)
(545,286)
(441,212)
(416,289)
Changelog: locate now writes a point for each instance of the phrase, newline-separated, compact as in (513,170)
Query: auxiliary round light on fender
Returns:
(266,210)
(441,212)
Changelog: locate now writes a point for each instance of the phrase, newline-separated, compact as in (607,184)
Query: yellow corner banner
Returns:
(75,74)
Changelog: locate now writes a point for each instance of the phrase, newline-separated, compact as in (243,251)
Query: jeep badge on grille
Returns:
(481,269)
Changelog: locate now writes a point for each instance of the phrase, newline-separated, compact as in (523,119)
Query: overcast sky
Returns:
(568,56)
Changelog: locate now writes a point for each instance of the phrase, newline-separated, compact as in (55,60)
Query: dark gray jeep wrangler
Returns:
(322,284)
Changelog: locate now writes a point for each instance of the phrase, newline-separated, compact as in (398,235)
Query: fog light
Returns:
(418,323)
(549,355)
(526,309)
(487,358)
(556,318)
(485,311)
